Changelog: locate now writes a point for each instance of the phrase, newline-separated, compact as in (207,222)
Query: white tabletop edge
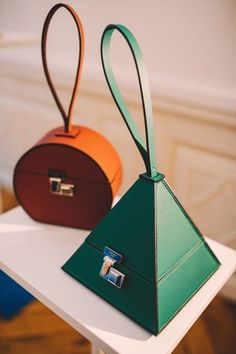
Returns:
(225,255)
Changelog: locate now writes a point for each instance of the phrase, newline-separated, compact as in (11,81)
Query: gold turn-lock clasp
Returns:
(60,188)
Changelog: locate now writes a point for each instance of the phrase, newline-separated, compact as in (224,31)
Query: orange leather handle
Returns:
(66,117)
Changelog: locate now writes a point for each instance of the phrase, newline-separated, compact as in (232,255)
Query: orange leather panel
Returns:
(88,161)
(92,144)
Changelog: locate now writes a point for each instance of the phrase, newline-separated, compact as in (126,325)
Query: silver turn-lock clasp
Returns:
(107,271)
(60,188)
(57,184)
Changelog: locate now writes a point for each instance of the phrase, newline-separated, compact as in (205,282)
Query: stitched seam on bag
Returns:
(94,289)
(155,254)
(201,238)
(131,269)
(124,309)
(189,297)
(69,178)
(181,260)
(169,272)
(183,211)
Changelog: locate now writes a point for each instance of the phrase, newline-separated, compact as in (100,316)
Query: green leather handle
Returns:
(147,150)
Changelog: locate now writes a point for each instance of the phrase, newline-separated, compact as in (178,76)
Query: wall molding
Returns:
(169,96)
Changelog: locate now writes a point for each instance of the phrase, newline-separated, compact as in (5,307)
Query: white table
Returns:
(32,254)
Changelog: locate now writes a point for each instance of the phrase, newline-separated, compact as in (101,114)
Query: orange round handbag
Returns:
(72,174)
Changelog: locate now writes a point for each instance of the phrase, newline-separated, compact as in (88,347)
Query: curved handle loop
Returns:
(66,117)
(147,151)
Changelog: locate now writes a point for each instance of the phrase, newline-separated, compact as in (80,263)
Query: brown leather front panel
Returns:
(91,201)
(92,193)
(93,144)
(88,161)
(58,157)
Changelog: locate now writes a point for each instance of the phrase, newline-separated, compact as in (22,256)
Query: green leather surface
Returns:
(183,282)
(137,298)
(165,258)
(129,229)
(176,233)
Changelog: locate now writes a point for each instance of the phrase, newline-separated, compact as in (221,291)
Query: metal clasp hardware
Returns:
(59,188)
(107,271)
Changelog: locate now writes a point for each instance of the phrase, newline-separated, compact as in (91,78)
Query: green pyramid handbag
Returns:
(146,257)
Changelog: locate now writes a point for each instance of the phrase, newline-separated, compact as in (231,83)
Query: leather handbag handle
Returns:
(66,117)
(147,150)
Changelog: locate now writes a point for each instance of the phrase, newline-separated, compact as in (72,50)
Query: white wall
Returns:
(189,46)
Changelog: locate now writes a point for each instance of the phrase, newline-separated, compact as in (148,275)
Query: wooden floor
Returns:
(38,330)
